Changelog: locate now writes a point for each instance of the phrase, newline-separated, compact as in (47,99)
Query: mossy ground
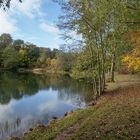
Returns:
(116,116)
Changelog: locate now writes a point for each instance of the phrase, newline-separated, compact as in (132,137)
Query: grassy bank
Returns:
(115,116)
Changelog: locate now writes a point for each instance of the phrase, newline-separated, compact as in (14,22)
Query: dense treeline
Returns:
(15,54)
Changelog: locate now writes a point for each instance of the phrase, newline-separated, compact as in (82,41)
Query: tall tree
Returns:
(95,20)
(5,40)
(10,58)
(18,43)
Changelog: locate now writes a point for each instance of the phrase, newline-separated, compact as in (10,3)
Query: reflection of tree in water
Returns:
(13,85)
(28,84)
(16,86)
(68,88)
(76,92)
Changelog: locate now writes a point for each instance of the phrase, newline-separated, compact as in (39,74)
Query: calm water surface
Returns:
(27,100)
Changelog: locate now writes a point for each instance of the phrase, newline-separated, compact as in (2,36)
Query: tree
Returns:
(18,43)
(54,64)
(82,68)
(54,53)
(33,54)
(132,59)
(42,59)
(132,18)
(10,58)
(5,40)
(28,55)
(65,61)
(23,57)
(1,51)
(95,20)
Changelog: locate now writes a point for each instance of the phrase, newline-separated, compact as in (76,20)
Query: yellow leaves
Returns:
(125,59)
(22,52)
(48,61)
(132,62)
(54,64)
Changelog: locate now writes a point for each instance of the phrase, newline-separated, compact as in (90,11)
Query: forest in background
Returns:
(15,54)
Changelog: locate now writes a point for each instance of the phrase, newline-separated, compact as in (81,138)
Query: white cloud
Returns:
(49,28)
(7,24)
(30,8)
(6,110)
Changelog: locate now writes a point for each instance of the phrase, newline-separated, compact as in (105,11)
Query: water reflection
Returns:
(27,100)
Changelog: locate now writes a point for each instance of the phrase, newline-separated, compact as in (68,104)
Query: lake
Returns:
(27,100)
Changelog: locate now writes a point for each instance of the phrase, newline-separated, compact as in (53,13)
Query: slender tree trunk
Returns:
(103,76)
(113,67)
(99,66)
(112,70)
(102,63)
(99,75)
(94,84)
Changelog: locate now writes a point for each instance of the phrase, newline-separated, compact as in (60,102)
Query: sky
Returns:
(33,21)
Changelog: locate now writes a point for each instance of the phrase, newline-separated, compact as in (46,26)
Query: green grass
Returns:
(123,80)
(56,126)
(115,116)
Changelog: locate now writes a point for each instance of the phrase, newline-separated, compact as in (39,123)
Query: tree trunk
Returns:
(113,67)
(99,66)
(102,63)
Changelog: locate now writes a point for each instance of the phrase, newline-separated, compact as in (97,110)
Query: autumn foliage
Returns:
(132,60)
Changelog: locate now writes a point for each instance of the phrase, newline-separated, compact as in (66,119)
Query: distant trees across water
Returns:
(16,54)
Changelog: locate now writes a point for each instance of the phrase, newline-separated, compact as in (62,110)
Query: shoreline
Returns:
(78,115)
